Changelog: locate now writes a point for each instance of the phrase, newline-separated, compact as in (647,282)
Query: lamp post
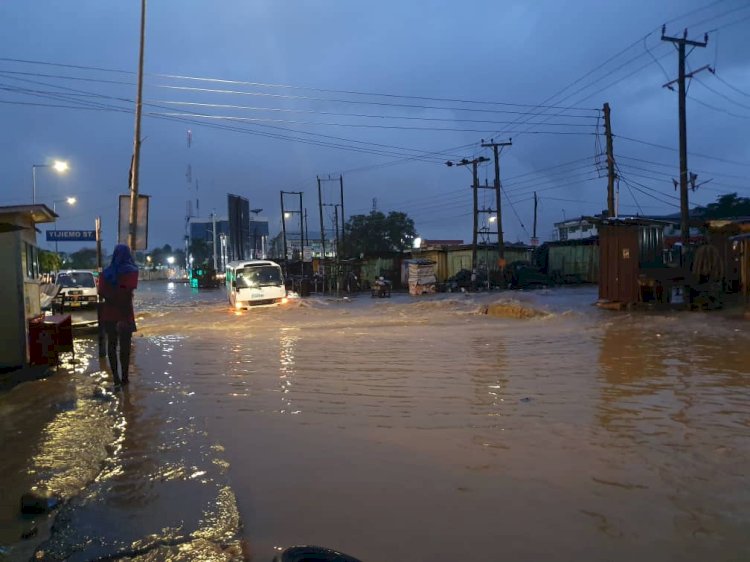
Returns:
(69,201)
(59,166)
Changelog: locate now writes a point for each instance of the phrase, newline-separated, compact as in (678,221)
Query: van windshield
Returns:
(259,276)
(79,279)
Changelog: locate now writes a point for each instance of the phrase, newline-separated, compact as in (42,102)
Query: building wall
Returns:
(449,260)
(18,253)
(575,230)
(579,261)
(619,263)
(12,334)
(389,267)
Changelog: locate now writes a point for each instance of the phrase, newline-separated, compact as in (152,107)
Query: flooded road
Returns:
(504,426)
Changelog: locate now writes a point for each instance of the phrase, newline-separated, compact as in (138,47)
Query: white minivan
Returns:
(254,282)
(77,288)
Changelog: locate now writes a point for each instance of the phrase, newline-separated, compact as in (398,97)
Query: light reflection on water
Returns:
(422,426)
(625,432)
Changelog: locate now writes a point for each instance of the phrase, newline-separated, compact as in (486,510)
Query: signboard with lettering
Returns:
(71,236)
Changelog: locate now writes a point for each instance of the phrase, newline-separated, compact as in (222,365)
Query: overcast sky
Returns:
(292,91)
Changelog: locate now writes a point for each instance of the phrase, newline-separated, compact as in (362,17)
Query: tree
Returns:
(200,251)
(84,258)
(159,255)
(726,206)
(49,261)
(377,233)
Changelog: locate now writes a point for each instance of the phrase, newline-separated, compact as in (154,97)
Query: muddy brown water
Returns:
(426,429)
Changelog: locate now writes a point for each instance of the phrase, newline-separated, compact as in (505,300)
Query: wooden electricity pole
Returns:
(681,43)
(133,217)
(322,225)
(611,212)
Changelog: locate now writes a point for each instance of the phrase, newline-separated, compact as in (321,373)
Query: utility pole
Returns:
(283,226)
(681,43)
(284,214)
(496,149)
(307,232)
(322,225)
(133,218)
(611,211)
(534,239)
(475,190)
(213,236)
(343,219)
(301,237)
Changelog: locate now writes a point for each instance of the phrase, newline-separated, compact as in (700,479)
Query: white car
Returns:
(77,289)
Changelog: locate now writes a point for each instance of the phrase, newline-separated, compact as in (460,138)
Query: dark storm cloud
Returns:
(520,52)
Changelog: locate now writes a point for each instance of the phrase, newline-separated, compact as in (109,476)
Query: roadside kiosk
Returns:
(26,337)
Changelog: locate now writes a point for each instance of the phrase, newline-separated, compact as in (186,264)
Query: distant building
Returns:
(575,229)
(429,243)
(201,229)
(257,237)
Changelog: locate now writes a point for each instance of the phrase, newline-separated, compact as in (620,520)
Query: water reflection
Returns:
(632,365)
(671,408)
(288,338)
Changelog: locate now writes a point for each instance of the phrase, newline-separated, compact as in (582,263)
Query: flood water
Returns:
(503,426)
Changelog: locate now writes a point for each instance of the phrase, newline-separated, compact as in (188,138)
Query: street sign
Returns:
(71,236)
(307,254)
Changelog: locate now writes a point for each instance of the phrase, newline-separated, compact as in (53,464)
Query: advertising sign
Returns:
(141,233)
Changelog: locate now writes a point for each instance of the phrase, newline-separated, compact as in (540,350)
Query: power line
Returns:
(719,109)
(664,147)
(304,98)
(63,96)
(720,79)
(662,164)
(287,86)
(720,94)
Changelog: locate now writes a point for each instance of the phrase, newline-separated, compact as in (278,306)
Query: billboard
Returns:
(141,234)
(239,227)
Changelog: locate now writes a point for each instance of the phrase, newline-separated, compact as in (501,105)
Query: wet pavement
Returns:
(518,426)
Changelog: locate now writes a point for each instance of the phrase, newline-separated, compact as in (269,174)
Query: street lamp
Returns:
(70,201)
(59,166)
(170,260)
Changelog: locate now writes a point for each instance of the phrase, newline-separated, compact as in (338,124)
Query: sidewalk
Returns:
(135,472)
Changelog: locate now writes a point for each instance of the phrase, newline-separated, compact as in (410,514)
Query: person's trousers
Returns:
(118,340)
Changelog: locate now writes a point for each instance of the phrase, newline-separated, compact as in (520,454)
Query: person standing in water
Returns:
(116,286)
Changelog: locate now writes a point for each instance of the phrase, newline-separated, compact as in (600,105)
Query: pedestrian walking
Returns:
(116,286)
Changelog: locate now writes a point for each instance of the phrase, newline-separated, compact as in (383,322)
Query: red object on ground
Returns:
(48,337)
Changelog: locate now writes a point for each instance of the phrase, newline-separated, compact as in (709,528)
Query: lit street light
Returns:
(70,201)
(59,166)
(170,260)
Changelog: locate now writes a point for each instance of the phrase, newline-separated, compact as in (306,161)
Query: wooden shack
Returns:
(741,245)
(631,262)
